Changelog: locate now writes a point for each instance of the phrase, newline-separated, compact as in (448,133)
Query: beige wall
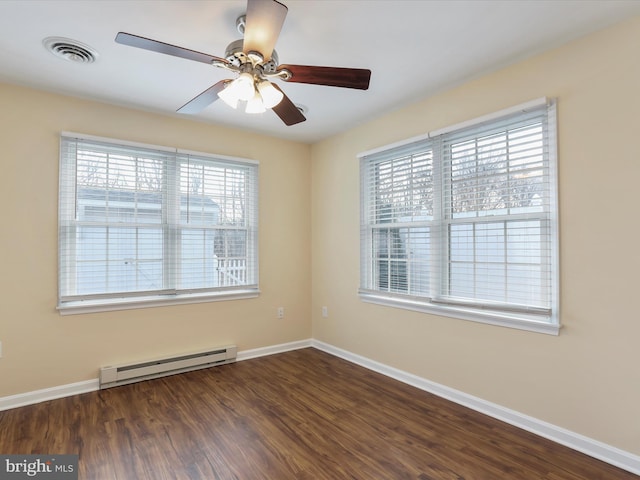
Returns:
(43,349)
(587,379)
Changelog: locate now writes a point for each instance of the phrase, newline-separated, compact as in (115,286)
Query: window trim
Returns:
(135,300)
(517,320)
(131,303)
(461,313)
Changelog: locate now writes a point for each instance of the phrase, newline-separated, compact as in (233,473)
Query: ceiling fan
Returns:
(255,62)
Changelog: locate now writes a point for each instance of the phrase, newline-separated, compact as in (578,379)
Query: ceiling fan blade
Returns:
(262,26)
(287,111)
(206,98)
(330,76)
(161,47)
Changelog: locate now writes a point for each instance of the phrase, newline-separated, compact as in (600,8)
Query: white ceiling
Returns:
(413,48)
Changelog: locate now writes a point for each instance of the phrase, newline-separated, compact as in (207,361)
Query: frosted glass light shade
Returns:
(228,97)
(255,105)
(242,88)
(271,96)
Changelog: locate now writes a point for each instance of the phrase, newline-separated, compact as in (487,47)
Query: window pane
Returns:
(505,270)
(525,286)
(212,194)
(462,280)
(391,261)
(91,271)
(490,243)
(404,188)
(417,242)
(197,259)
(215,195)
(481,247)
(462,243)
(498,174)
(111,259)
(490,282)
(524,242)
(402,260)
(231,251)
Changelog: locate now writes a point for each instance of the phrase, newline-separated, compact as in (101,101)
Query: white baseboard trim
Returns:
(281,348)
(37,396)
(612,455)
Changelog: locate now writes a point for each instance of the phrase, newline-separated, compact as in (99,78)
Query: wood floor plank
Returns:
(302,415)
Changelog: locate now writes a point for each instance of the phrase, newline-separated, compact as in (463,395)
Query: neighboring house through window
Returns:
(462,222)
(142,225)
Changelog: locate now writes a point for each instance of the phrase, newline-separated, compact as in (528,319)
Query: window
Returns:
(143,225)
(462,222)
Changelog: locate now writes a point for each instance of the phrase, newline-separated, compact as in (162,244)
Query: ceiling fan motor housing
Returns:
(235,55)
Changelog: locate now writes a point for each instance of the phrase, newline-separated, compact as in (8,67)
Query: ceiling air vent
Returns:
(70,50)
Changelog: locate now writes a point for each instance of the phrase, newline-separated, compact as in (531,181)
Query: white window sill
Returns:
(519,322)
(129,303)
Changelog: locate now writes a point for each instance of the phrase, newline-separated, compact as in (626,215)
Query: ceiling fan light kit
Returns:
(251,86)
(255,62)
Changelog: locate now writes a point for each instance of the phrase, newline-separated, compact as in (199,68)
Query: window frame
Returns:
(171,225)
(536,320)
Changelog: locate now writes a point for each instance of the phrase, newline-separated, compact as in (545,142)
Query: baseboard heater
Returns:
(114,376)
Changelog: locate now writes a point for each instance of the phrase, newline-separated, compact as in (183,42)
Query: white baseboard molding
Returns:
(281,348)
(594,448)
(37,396)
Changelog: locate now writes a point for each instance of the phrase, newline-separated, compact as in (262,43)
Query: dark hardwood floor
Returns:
(298,415)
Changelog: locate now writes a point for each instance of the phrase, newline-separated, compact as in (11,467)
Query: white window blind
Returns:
(463,223)
(148,224)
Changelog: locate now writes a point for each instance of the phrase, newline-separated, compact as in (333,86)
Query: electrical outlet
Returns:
(325,312)
(280,312)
